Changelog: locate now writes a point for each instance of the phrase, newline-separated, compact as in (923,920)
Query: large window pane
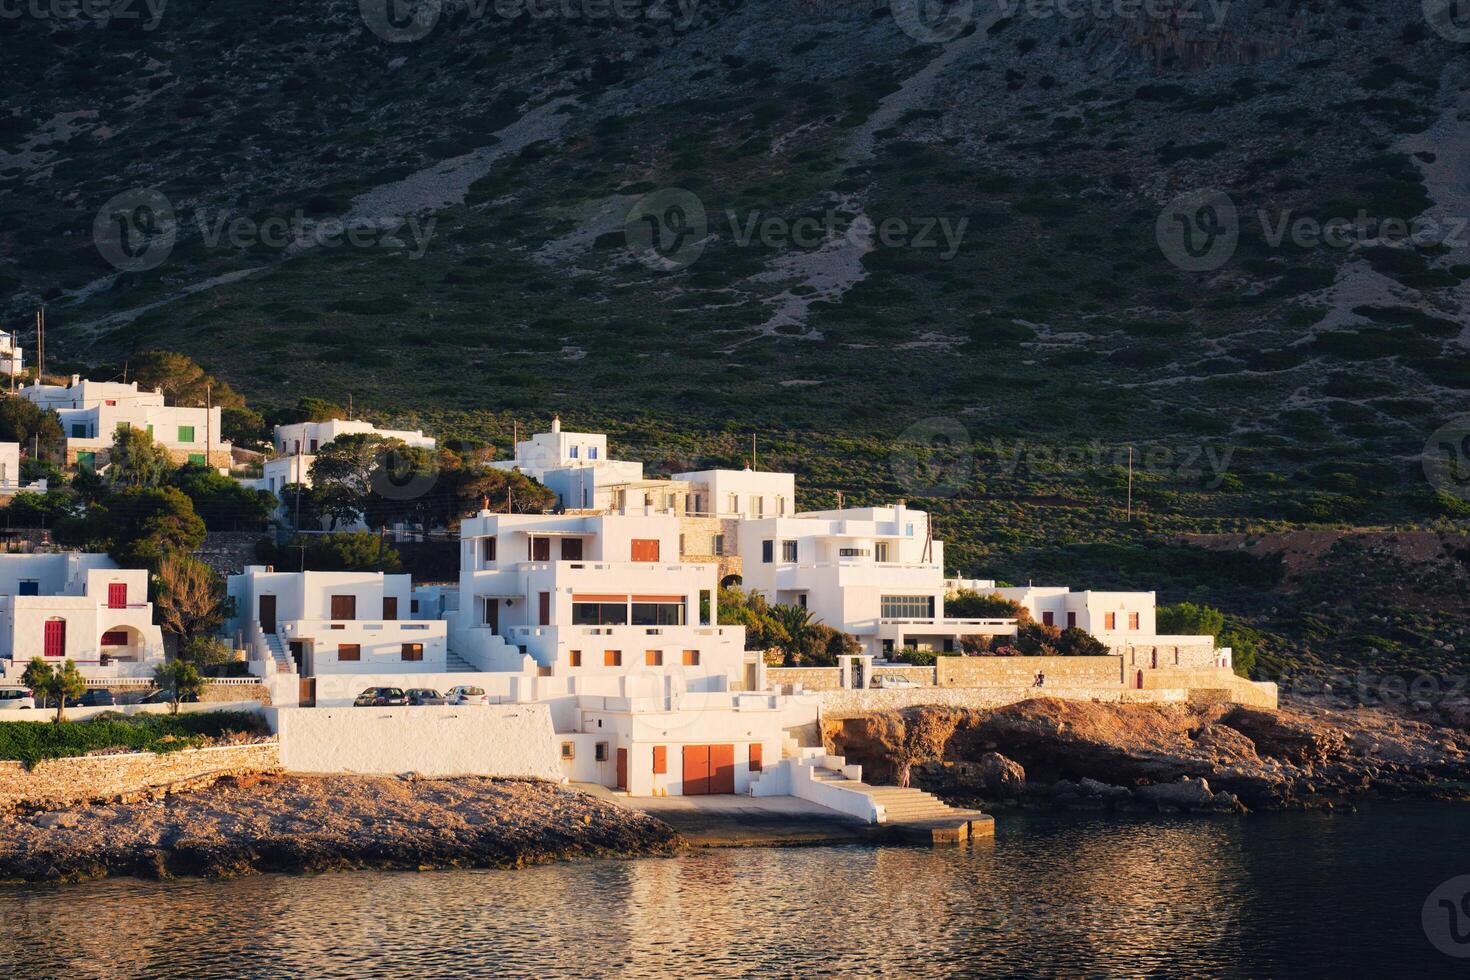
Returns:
(599,614)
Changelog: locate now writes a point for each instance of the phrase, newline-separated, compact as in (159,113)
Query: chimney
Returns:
(76,379)
(555,423)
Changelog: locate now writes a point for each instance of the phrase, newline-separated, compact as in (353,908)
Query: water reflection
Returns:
(1051,896)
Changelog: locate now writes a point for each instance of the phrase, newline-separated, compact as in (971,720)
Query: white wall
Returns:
(498,740)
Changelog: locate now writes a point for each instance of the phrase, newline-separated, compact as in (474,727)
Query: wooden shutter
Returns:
(722,768)
(55,638)
(660,759)
(571,549)
(117,595)
(544,608)
(390,607)
(622,768)
(349,651)
(691,658)
(413,651)
(344,607)
(645,549)
(696,770)
(755,757)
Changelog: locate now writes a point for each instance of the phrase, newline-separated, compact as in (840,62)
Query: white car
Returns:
(16,697)
(893,681)
(464,694)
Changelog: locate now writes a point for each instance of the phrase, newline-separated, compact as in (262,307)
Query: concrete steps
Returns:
(910,813)
(455,664)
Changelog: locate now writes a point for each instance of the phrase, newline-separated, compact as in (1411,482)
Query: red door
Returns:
(55,645)
(696,770)
(117,595)
(722,768)
(622,768)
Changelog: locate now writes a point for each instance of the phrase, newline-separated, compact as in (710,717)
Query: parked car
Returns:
(96,697)
(425,695)
(893,681)
(16,697)
(464,694)
(380,697)
(162,697)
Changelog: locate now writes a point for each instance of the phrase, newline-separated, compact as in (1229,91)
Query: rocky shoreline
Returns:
(292,823)
(1176,758)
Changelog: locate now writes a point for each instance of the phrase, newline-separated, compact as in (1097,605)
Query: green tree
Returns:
(64,683)
(182,381)
(180,679)
(223,503)
(343,472)
(244,427)
(208,653)
(1189,619)
(38,509)
(136,460)
(344,551)
(969,604)
(27,423)
(796,629)
(1245,647)
(138,528)
(737,608)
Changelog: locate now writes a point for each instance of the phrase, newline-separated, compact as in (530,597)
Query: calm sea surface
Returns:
(1277,895)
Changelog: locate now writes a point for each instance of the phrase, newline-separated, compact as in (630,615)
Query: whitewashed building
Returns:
(874,572)
(78,606)
(305,438)
(12,357)
(324,623)
(92,412)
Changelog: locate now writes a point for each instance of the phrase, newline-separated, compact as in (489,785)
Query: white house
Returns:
(81,606)
(593,596)
(91,412)
(575,466)
(336,622)
(874,572)
(12,357)
(305,438)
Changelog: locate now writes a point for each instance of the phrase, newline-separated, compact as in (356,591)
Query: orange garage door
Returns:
(709,769)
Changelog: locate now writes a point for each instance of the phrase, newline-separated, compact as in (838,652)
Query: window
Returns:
(413,605)
(539,549)
(413,652)
(344,607)
(79,430)
(110,402)
(691,658)
(29,586)
(186,433)
(880,551)
(591,452)
(757,505)
(788,551)
(1071,619)
(780,506)
(571,549)
(543,609)
(599,613)
(87,461)
(568,751)
(658,611)
(349,651)
(574,657)
(717,545)
(734,507)
(768,552)
(197,458)
(705,602)
(1047,619)
(572,452)
(645,549)
(756,765)
(612,658)
(487,549)
(1133,621)
(1110,621)
(907,607)
(601,753)
(908,530)
(660,759)
(850,552)
(653,658)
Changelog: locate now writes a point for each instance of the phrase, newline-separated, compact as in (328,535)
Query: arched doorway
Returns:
(121,643)
(731,582)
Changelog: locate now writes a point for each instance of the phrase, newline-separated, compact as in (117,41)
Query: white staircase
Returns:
(455,664)
(279,653)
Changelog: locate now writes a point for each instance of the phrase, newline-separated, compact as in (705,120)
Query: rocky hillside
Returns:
(967,253)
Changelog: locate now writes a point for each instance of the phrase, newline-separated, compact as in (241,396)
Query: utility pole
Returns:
(752,450)
(208,421)
(1130,484)
(298,499)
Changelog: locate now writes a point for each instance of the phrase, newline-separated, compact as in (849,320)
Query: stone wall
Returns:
(809,678)
(1021,671)
(696,534)
(66,782)
(228,552)
(1168,655)
(842,704)
(1213,685)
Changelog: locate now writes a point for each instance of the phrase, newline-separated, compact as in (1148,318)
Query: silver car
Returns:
(16,697)
(894,682)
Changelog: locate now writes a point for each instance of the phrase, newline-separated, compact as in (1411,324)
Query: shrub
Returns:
(29,742)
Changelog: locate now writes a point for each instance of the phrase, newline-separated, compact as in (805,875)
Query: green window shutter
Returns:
(123,427)
(186,433)
(196,458)
(150,430)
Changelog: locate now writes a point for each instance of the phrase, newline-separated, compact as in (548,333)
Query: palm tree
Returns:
(796,626)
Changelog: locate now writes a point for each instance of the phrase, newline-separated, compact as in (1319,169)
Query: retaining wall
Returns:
(67,782)
(473,740)
(840,704)
(1021,671)
(809,678)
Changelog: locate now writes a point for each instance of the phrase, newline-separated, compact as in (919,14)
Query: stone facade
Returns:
(925,676)
(68,782)
(1021,671)
(1168,655)
(696,538)
(220,458)
(808,678)
(842,704)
